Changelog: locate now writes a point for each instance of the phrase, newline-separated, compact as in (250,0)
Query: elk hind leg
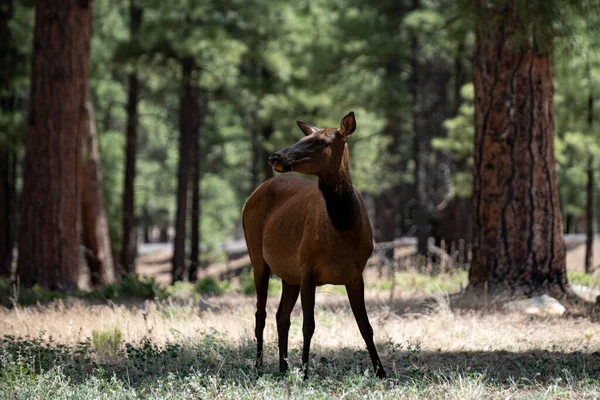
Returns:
(356,295)
(262,274)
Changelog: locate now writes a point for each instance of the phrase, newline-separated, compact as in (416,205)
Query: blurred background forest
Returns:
(187,99)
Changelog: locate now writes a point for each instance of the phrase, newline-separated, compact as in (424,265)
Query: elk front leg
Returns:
(356,295)
(289,296)
(307,293)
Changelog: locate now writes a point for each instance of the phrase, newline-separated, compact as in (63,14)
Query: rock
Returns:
(543,305)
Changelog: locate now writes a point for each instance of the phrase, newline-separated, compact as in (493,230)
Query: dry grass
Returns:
(429,353)
(441,330)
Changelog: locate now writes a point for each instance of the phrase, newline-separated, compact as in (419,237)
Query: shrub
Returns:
(107,342)
(208,286)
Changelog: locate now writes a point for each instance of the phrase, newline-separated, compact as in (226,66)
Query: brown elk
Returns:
(309,234)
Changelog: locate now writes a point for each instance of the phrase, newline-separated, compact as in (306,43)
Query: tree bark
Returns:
(518,246)
(9,56)
(589,243)
(187,105)
(128,247)
(50,209)
(95,224)
(196,189)
(6,243)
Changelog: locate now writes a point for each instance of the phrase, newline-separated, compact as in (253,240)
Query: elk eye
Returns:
(319,142)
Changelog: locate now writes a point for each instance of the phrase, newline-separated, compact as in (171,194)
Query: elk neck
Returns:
(338,192)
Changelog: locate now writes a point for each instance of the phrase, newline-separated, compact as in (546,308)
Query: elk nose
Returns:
(275,158)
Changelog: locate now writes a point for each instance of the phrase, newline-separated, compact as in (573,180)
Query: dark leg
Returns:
(289,296)
(356,295)
(261,280)
(307,292)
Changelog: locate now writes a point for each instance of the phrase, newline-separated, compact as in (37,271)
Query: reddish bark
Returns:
(50,203)
(518,245)
(94,222)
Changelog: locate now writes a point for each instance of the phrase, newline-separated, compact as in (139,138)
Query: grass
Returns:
(213,365)
(205,349)
(173,345)
(107,342)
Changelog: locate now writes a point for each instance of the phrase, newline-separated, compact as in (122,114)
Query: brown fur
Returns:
(310,233)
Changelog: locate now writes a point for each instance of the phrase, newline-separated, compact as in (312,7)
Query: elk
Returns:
(309,234)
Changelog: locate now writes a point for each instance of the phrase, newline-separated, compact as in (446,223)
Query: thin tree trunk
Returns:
(8,65)
(187,104)
(417,87)
(196,190)
(128,247)
(518,245)
(5,213)
(589,243)
(146,221)
(94,222)
(50,204)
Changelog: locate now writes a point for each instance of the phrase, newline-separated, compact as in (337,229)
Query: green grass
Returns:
(591,280)
(107,342)
(211,366)
(416,281)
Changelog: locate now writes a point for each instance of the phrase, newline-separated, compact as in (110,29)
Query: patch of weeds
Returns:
(11,294)
(181,290)
(208,286)
(132,286)
(580,278)
(169,310)
(107,342)
(417,281)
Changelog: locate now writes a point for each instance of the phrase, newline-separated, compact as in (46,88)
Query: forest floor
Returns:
(204,348)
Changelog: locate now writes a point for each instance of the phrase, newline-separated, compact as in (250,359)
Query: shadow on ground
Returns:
(214,355)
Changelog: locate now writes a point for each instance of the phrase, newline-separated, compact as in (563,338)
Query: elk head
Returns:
(318,152)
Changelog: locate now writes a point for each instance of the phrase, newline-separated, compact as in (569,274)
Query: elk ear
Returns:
(306,128)
(348,124)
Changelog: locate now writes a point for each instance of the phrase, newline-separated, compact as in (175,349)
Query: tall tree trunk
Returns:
(8,65)
(94,222)
(5,212)
(387,203)
(187,105)
(266,132)
(50,204)
(589,245)
(417,88)
(146,222)
(196,189)
(518,245)
(128,247)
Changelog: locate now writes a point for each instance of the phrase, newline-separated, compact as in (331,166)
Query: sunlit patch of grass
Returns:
(579,278)
(417,281)
(107,342)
